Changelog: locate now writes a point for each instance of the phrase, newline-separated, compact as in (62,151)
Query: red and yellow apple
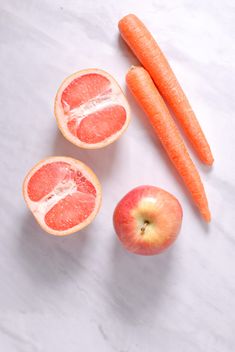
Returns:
(147,220)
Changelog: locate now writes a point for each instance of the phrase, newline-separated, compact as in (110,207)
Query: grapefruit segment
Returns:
(70,211)
(91,109)
(45,179)
(63,194)
(84,88)
(101,124)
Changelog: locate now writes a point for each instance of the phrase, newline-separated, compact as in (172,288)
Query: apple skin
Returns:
(147,220)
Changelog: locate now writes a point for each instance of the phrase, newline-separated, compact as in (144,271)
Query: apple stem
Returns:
(143,228)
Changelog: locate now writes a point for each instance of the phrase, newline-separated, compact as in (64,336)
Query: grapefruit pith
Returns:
(63,194)
(91,109)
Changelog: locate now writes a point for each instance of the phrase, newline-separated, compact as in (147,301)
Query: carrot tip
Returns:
(208,160)
(210,163)
(207,216)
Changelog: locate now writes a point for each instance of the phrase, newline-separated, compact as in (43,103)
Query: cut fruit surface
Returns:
(63,194)
(91,109)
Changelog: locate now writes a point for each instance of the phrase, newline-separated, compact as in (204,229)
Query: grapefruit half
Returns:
(91,109)
(63,194)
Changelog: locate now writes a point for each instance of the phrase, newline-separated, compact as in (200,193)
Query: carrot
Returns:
(150,55)
(145,92)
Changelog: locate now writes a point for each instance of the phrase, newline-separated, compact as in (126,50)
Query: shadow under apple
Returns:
(138,284)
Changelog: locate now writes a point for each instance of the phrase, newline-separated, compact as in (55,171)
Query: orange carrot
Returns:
(145,92)
(150,55)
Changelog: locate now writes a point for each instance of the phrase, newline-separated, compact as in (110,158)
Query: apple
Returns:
(147,220)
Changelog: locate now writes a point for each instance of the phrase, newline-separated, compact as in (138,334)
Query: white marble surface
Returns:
(84,292)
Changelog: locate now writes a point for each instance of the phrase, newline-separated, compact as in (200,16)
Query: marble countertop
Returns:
(85,292)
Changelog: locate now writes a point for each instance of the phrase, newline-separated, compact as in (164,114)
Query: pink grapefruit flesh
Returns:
(91,109)
(63,194)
